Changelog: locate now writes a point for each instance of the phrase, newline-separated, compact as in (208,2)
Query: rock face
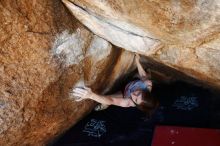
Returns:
(44,52)
(181,34)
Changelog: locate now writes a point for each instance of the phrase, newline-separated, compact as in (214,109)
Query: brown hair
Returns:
(149,104)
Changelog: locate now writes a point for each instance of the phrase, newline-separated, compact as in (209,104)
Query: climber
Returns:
(137,93)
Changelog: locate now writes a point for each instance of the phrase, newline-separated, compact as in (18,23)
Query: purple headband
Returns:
(133,86)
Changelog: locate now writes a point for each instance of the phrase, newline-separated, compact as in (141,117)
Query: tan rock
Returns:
(120,33)
(44,52)
(183,35)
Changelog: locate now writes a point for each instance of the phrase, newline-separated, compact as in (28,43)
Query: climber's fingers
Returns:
(80,91)
(83,90)
(137,57)
(77,95)
(83,93)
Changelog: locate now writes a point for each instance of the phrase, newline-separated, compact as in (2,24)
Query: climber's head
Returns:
(143,99)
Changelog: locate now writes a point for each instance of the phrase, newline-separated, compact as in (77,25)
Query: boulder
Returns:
(44,52)
(183,35)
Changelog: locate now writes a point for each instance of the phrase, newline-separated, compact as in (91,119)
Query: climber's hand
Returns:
(81,93)
(137,58)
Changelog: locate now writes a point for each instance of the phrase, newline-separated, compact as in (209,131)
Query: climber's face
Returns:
(149,84)
(136,97)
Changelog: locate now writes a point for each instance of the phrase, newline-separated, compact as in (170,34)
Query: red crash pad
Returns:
(184,136)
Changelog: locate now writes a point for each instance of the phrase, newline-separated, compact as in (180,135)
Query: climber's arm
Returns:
(115,99)
(141,70)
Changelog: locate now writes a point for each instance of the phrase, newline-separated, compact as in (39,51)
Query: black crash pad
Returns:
(180,104)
